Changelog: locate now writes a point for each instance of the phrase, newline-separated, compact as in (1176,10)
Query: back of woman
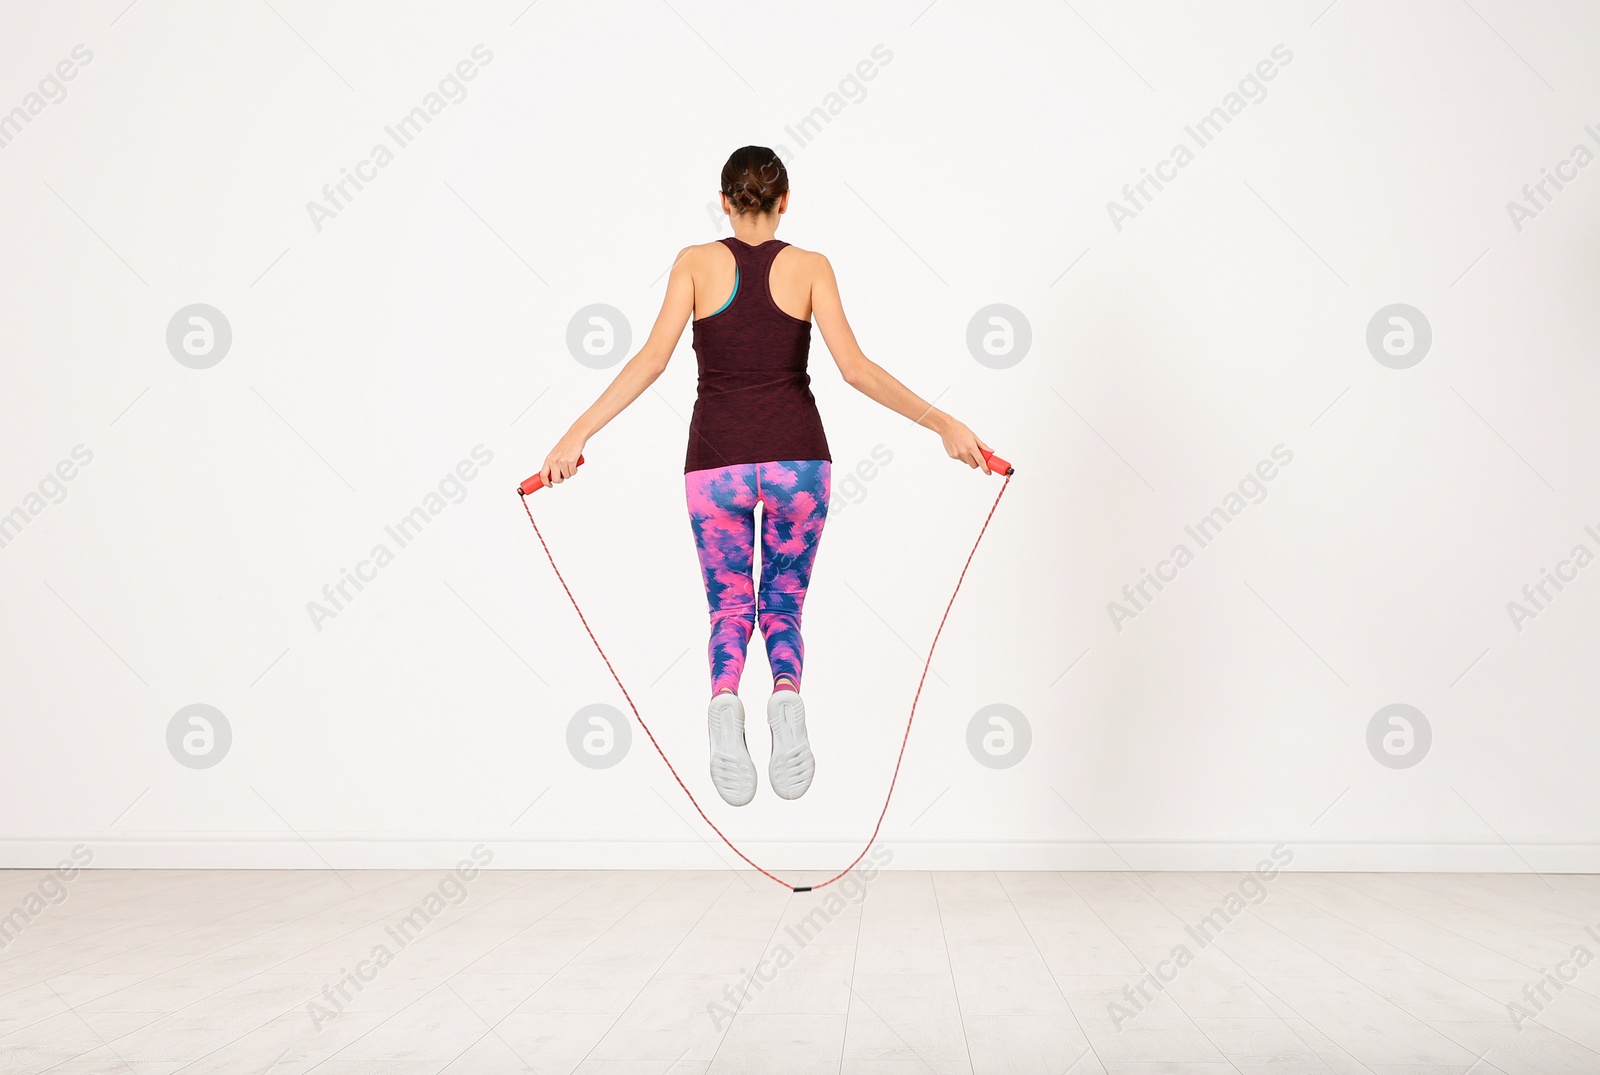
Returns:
(754,399)
(756,440)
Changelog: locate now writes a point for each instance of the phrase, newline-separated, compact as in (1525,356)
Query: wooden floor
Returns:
(404,973)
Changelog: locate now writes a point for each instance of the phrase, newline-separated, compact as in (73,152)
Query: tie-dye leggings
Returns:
(793,495)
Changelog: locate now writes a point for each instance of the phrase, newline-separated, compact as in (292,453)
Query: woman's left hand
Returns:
(562,461)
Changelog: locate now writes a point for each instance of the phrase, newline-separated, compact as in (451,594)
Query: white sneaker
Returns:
(732,771)
(792,765)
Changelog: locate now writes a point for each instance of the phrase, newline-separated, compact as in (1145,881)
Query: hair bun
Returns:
(744,199)
(754,179)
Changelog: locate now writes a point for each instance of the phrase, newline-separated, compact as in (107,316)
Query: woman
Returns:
(756,438)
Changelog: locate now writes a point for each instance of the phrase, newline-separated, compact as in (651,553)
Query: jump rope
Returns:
(996,465)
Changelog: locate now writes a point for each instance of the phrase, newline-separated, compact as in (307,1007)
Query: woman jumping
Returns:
(756,438)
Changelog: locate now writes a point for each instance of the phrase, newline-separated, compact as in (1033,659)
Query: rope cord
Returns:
(904,740)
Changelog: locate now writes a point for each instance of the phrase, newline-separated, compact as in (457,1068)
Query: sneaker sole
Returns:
(733,774)
(792,764)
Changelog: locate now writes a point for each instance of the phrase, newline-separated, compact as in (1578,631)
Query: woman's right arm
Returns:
(631,381)
(877,383)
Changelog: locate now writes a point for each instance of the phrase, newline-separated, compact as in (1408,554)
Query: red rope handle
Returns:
(905,739)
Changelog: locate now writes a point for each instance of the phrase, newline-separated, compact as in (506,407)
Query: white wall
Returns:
(1169,356)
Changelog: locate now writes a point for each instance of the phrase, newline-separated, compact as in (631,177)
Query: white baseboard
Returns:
(377,851)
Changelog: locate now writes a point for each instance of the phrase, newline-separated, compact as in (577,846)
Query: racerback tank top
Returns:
(754,403)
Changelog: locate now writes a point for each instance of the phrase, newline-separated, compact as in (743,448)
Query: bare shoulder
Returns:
(696,255)
(803,256)
(813,265)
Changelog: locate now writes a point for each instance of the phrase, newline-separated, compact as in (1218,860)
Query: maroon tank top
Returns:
(754,403)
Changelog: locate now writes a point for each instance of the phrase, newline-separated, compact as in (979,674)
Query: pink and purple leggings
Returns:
(793,495)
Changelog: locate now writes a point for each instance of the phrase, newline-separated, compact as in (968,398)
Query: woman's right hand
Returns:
(562,461)
(963,445)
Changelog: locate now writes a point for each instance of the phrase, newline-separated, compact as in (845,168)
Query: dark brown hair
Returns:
(754,179)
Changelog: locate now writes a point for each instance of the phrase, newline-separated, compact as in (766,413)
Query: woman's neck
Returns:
(755,230)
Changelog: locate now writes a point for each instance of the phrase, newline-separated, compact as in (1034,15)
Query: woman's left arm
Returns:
(631,381)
